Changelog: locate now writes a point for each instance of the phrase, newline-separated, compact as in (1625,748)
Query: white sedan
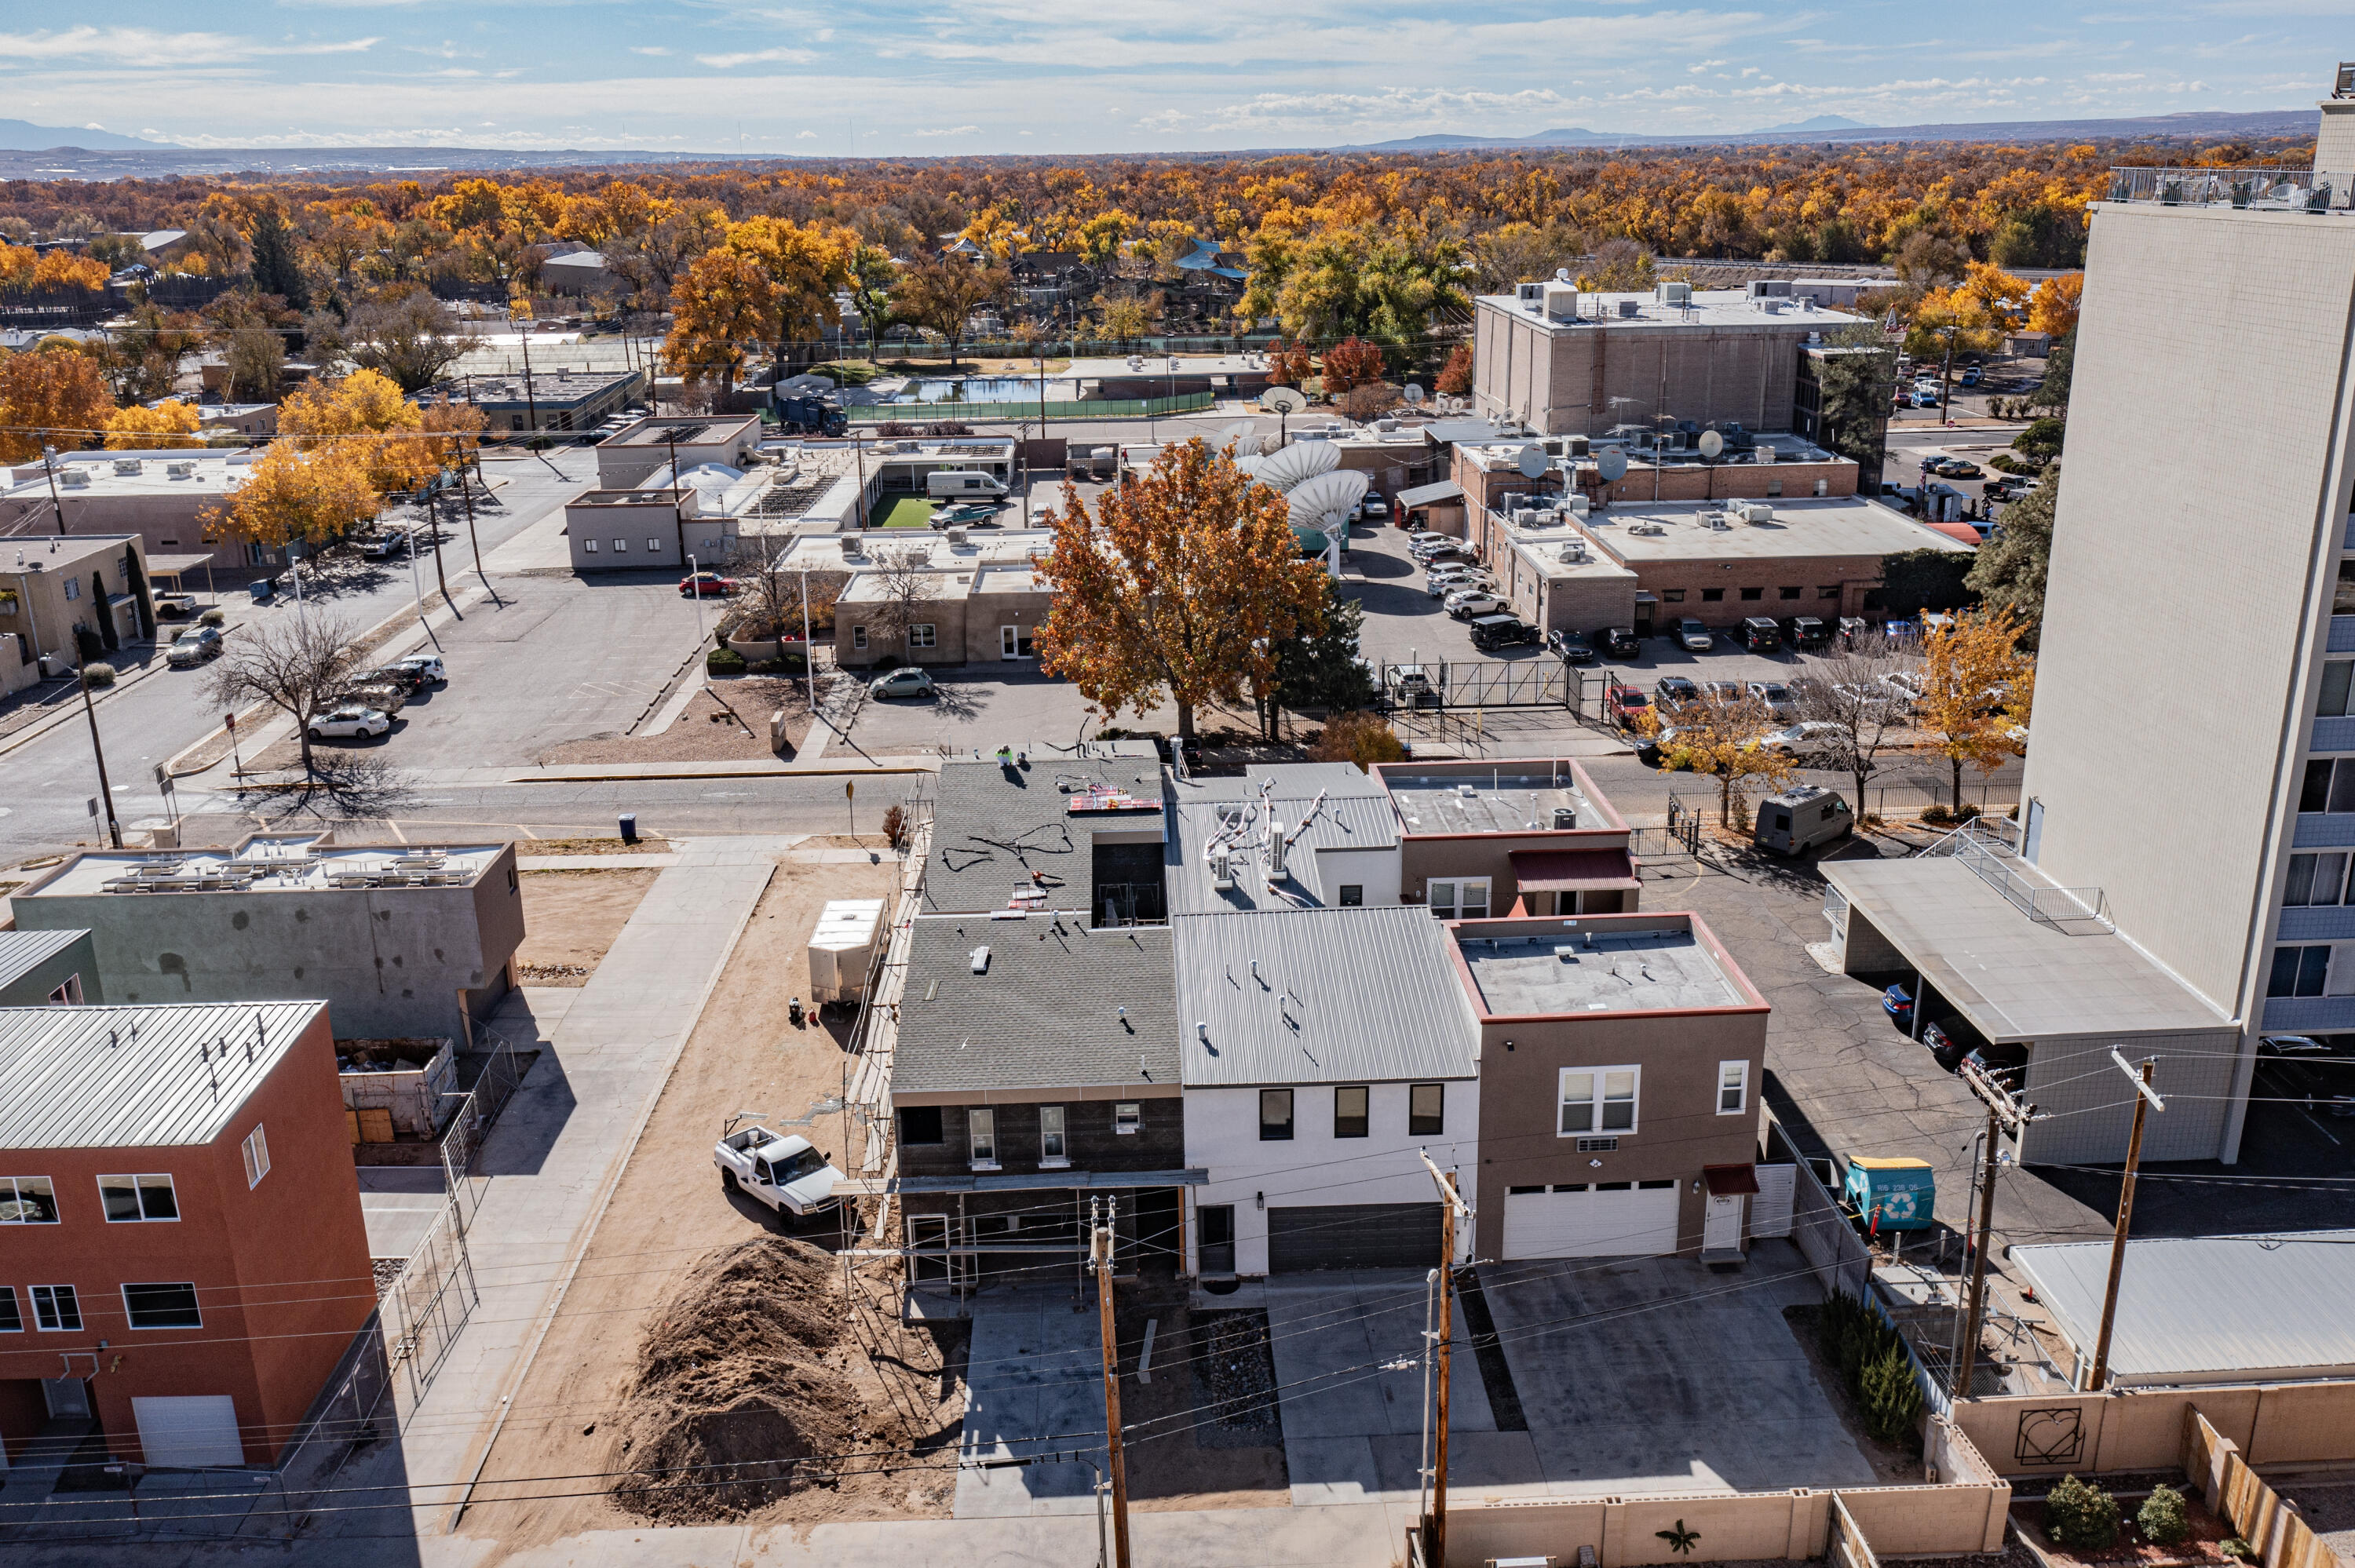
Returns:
(1466,603)
(349,721)
(1810,742)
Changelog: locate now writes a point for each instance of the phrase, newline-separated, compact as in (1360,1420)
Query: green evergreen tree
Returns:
(275,268)
(2010,570)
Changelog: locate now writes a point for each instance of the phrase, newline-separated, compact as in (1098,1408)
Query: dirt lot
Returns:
(668,1215)
(571,918)
(1192,1446)
(709,728)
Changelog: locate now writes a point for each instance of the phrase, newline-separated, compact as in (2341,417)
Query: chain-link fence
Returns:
(429,1301)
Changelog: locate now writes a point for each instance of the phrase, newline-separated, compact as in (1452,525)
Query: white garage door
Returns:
(189,1431)
(1567,1222)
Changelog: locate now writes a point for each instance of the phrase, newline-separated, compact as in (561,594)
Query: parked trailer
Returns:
(842,947)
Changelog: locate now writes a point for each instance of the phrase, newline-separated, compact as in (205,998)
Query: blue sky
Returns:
(899,77)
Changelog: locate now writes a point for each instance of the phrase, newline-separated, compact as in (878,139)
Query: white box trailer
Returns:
(842,947)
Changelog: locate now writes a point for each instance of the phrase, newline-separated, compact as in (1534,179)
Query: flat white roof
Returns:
(58,552)
(209,473)
(1802,526)
(1721,308)
(267,865)
(983,548)
(1159,364)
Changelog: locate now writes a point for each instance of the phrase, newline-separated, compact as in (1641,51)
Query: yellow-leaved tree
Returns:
(1717,735)
(1180,584)
(1976,688)
(724,302)
(52,395)
(810,263)
(168,424)
(291,494)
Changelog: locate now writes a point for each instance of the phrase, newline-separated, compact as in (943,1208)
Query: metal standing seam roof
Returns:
(1046,1013)
(2205,1304)
(106,1077)
(22,951)
(1358,995)
(1356,822)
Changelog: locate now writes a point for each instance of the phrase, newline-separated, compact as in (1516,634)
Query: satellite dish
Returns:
(1282,399)
(1534,462)
(1612,464)
(1710,443)
(1242,433)
(1325,500)
(1285,470)
(1414,392)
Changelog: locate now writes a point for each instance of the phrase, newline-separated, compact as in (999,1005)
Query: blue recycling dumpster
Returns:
(261,590)
(1891,1195)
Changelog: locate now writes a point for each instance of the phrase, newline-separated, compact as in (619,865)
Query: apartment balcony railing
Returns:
(1990,849)
(2260,189)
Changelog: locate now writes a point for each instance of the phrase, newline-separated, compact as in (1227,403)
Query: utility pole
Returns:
(1450,1205)
(2145,1099)
(49,465)
(2004,1114)
(530,403)
(1100,1259)
(466,494)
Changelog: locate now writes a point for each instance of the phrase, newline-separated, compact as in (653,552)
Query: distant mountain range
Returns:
(124,159)
(1836,128)
(23,136)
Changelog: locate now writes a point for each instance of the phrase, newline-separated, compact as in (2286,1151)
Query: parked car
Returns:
(1903,686)
(1898,1003)
(1777,698)
(1494,631)
(1953,468)
(1621,642)
(1673,689)
(1798,820)
(349,722)
(2302,1069)
(384,696)
(786,1172)
(1724,691)
(706,585)
(1806,631)
(908,682)
(1971,375)
(1570,647)
(1374,510)
(384,546)
(1926,396)
(1650,748)
(1445,580)
(1811,743)
(1761,634)
(1625,704)
(1693,637)
(425,667)
(1417,538)
(1466,602)
(175,606)
(193,647)
(965,515)
(1411,687)
(1999,1060)
(1944,1048)
(397,673)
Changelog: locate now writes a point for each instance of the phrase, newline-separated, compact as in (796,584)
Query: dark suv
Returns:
(1806,631)
(2306,1071)
(1621,642)
(1760,635)
(1490,631)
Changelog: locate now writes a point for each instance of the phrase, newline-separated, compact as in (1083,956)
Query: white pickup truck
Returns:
(785,1171)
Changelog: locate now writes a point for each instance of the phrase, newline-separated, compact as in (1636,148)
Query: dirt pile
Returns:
(741,1375)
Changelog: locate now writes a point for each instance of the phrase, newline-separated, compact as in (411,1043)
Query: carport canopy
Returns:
(1429,495)
(2015,980)
(1574,871)
(172,566)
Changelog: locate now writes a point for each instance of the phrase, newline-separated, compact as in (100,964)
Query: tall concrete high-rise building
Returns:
(2194,751)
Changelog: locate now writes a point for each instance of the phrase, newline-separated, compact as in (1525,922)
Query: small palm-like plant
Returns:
(1680,1540)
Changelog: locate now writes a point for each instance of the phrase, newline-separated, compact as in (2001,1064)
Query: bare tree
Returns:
(404,332)
(896,595)
(295,666)
(1848,689)
(770,600)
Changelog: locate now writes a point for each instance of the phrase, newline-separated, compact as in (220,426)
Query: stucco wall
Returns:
(2074,1081)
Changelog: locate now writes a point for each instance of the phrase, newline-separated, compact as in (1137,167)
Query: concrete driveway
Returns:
(1036,1367)
(1655,1374)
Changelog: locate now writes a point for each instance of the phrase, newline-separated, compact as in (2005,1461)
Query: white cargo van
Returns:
(958,485)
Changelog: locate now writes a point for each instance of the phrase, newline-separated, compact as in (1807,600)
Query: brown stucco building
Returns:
(1527,837)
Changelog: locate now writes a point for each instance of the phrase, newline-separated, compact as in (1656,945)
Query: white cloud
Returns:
(146,47)
(2114,76)
(951,131)
(807,137)
(756,57)
(649,49)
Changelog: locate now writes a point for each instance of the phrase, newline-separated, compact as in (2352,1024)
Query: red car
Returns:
(1625,704)
(706,585)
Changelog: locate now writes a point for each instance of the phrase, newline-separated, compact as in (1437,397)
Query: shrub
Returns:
(895,826)
(2081,1517)
(2238,1550)
(724,661)
(1890,1397)
(1936,812)
(1358,737)
(2163,1518)
(215,616)
(99,674)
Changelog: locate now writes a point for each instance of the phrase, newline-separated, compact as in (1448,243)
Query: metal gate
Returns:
(1488,684)
(428,1304)
(1354,1235)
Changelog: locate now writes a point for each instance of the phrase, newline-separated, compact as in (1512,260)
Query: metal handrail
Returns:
(2260,187)
(1986,850)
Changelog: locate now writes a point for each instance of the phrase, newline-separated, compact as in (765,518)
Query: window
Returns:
(130,1199)
(27,1201)
(1712,595)
(1353,895)
(2335,692)
(1830,590)
(1732,1087)
(921,1124)
(2330,785)
(621,546)
(1774,487)
(2301,971)
(1672,596)
(2342,598)
(919,637)
(67,994)
(73,589)
(2317,879)
(1275,1115)
(1790,592)
(1751,593)
(162,1306)
(55,1310)
(589,546)
(653,546)
(257,1157)
(1426,1111)
(1051,1148)
(12,1317)
(1598,1098)
(981,1132)
(859,637)
(1658,1186)
(1127,1119)
(1350,1111)
(1462,900)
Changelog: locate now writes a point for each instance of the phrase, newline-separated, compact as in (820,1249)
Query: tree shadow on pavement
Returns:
(343,786)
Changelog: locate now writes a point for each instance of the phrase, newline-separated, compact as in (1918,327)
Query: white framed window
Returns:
(621,546)
(56,1310)
(1732,1087)
(981,1132)
(1054,1152)
(859,637)
(653,546)
(129,1199)
(1466,898)
(162,1306)
(27,1201)
(1128,1117)
(1598,1099)
(589,546)
(257,1157)
(921,637)
(73,589)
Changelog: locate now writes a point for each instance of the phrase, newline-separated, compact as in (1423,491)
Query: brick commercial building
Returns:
(183,1259)
(1565,363)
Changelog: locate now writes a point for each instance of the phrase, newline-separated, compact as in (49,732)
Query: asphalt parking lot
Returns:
(973,707)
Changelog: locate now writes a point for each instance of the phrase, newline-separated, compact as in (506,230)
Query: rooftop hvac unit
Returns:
(1575,446)
(1529,296)
(1766,454)
(184,469)
(1629,309)
(75,478)
(1564,817)
(1275,848)
(1560,303)
(1754,512)
(1574,553)
(1773,307)
(1223,870)
(956,536)
(128,465)
(1578,504)
(1673,293)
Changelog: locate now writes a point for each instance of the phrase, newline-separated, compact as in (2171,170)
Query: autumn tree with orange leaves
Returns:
(1179,585)
(50,396)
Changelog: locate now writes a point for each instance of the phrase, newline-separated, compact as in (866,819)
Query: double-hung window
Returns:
(1054,1151)
(1732,1087)
(981,1130)
(1598,1099)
